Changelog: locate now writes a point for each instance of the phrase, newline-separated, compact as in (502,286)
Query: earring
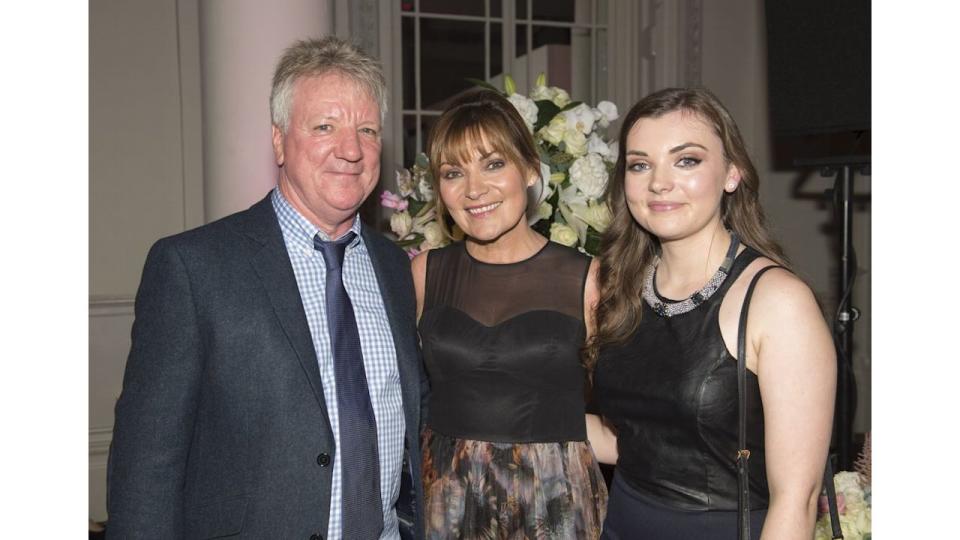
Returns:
(731,185)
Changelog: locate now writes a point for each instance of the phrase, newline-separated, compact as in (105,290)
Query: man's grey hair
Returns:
(314,57)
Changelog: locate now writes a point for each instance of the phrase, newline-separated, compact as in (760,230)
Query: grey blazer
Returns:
(221,429)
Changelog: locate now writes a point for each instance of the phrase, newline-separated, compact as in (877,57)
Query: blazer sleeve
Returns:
(154,415)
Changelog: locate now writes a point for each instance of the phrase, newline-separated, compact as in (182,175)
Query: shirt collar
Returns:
(298,229)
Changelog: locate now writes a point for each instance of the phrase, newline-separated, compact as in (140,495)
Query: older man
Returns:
(274,384)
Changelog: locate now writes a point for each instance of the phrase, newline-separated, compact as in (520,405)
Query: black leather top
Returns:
(501,344)
(671,392)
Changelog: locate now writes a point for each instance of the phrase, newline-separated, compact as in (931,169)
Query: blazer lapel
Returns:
(272,264)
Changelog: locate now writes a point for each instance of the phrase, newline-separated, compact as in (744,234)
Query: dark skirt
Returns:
(634,516)
(490,490)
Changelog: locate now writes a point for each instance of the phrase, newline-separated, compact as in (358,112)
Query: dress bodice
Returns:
(501,344)
(671,393)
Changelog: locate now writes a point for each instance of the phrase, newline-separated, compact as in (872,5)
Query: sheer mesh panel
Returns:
(494,293)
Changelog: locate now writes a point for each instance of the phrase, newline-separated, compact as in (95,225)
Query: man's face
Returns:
(330,153)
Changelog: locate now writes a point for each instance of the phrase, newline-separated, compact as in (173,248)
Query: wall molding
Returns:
(99,439)
(111,306)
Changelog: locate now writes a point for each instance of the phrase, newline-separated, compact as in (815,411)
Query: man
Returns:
(274,383)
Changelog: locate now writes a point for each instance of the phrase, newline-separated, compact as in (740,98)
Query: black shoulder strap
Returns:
(743,454)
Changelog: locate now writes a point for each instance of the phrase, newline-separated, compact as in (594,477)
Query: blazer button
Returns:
(316,537)
(323,460)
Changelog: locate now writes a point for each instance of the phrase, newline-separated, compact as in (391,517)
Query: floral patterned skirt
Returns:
(522,491)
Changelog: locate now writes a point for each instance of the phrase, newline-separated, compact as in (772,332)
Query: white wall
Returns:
(155,165)
(145,179)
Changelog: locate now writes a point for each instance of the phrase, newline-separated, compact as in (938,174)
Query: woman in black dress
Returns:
(687,236)
(502,322)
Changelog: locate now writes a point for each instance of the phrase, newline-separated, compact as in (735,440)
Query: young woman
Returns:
(502,323)
(687,236)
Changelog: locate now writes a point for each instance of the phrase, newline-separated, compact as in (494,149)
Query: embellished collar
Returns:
(669,308)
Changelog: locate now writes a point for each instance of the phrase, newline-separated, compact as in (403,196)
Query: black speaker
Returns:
(818,66)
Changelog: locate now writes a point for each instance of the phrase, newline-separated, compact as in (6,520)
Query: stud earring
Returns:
(731,185)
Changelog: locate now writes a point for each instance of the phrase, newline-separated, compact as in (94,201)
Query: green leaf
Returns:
(416,207)
(592,243)
(484,84)
(570,105)
(546,111)
(554,198)
(542,227)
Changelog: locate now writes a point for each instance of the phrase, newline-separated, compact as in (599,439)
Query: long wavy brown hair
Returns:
(627,250)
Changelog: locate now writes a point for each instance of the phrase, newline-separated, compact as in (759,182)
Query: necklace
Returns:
(667,308)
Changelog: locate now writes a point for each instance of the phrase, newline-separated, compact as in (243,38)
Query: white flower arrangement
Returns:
(576,158)
(854,500)
(853,506)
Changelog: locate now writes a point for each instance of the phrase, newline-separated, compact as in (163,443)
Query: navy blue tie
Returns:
(361,510)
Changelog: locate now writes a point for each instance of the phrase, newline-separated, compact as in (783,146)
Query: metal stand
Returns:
(842,194)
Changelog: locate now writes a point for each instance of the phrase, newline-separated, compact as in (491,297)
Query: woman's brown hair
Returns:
(627,250)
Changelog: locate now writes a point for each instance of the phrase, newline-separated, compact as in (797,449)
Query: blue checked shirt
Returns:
(376,344)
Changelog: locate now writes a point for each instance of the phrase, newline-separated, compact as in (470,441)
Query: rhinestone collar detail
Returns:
(668,308)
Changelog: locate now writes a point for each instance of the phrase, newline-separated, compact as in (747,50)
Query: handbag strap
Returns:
(743,454)
(832,501)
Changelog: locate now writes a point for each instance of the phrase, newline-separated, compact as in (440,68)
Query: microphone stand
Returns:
(842,168)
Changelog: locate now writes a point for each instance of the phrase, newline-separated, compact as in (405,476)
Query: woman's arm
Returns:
(602,439)
(796,367)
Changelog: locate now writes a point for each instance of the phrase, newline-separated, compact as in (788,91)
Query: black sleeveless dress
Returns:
(671,393)
(504,451)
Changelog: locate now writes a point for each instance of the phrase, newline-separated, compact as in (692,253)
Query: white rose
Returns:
(526,107)
(595,145)
(847,481)
(401,224)
(540,93)
(544,211)
(614,151)
(580,118)
(432,235)
(560,97)
(575,143)
(596,215)
(864,521)
(562,234)
(553,132)
(848,525)
(606,112)
(589,175)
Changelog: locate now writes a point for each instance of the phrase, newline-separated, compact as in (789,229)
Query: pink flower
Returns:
(412,252)
(824,508)
(391,200)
